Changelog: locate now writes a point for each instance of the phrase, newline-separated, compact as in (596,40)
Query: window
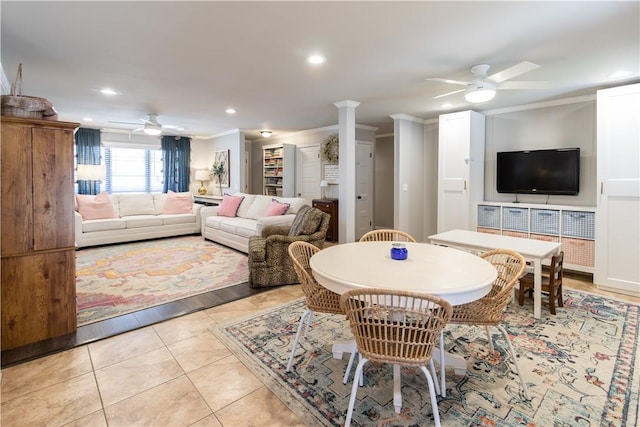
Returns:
(133,170)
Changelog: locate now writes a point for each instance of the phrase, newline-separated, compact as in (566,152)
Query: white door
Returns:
(308,172)
(364,188)
(618,210)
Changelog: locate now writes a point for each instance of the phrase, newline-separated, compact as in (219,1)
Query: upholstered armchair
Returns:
(269,261)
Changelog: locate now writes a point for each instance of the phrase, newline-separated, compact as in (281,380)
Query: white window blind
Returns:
(133,170)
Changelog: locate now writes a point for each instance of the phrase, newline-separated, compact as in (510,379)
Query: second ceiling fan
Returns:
(151,126)
(483,87)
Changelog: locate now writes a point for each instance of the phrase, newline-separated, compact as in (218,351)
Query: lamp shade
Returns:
(202,175)
(91,172)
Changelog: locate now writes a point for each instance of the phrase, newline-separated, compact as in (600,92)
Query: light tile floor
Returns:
(175,373)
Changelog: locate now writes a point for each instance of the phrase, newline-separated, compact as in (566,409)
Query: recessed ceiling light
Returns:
(230,111)
(108,91)
(87,119)
(447,105)
(316,59)
(620,75)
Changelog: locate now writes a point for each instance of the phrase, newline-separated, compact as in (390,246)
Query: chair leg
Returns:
(397,389)
(560,302)
(307,314)
(345,379)
(434,375)
(309,319)
(432,394)
(515,360)
(486,328)
(521,294)
(354,390)
(443,384)
(552,300)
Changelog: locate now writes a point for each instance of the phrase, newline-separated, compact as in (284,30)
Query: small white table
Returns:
(457,276)
(531,249)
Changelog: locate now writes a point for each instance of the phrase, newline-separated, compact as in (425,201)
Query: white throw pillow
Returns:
(258,207)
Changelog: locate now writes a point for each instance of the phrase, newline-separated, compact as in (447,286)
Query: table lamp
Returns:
(91,173)
(323,184)
(202,176)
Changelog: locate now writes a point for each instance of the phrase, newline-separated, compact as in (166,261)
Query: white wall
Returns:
(558,126)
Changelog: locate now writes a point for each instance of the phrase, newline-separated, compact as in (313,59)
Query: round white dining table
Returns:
(457,276)
(452,274)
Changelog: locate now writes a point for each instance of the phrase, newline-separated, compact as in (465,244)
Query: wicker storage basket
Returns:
(28,107)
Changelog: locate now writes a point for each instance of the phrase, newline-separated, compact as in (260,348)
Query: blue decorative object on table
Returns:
(399,251)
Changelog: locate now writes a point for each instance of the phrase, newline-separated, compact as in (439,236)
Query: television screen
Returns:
(555,172)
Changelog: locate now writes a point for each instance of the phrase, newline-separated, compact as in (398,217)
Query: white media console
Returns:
(572,226)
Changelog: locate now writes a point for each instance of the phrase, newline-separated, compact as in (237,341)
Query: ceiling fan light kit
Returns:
(151,129)
(477,93)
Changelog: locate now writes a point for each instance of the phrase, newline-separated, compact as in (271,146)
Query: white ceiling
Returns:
(189,61)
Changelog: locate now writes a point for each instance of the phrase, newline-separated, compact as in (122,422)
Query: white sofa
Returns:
(138,217)
(249,220)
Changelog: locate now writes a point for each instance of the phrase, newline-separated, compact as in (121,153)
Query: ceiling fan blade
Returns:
(533,85)
(174,127)
(125,123)
(448,93)
(511,72)
(455,82)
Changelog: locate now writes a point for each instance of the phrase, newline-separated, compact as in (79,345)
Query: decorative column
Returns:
(347,169)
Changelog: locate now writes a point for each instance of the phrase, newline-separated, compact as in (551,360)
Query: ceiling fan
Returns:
(482,87)
(151,126)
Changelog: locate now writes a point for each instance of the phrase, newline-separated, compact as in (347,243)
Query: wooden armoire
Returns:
(38,241)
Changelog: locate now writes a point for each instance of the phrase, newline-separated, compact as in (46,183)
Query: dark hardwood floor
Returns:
(128,322)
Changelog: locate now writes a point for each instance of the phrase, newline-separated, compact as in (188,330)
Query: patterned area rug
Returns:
(118,279)
(580,365)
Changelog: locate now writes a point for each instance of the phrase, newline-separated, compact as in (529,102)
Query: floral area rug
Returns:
(580,366)
(118,279)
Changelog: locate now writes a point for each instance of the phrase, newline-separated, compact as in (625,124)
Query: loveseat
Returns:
(234,228)
(118,218)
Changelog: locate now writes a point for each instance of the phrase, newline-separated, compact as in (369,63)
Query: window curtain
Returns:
(88,153)
(176,157)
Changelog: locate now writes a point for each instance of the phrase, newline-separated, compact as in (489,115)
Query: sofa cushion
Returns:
(136,204)
(139,221)
(102,225)
(178,203)
(230,205)
(276,208)
(246,203)
(178,219)
(306,221)
(95,207)
(240,227)
(258,207)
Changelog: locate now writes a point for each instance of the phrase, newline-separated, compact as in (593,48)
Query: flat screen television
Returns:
(554,171)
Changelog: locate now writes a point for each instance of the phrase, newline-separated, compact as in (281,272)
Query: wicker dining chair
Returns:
(396,327)
(487,311)
(387,236)
(551,283)
(318,298)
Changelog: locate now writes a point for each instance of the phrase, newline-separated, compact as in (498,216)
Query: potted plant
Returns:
(219,170)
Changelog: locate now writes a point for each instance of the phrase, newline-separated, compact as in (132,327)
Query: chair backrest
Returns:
(387,236)
(555,269)
(318,298)
(395,326)
(510,266)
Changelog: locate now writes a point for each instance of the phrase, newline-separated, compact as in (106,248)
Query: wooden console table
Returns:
(329,206)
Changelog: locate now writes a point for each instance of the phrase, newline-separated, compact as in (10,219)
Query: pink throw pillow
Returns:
(178,203)
(95,207)
(230,205)
(276,208)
